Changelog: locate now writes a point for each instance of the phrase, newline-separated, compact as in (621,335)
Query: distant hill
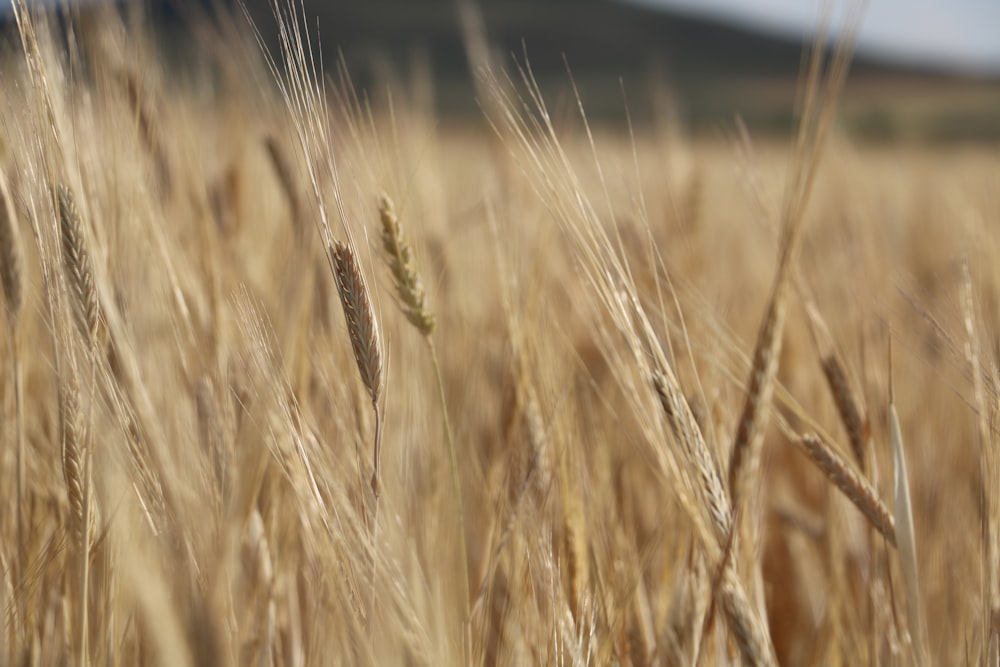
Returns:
(700,70)
(704,68)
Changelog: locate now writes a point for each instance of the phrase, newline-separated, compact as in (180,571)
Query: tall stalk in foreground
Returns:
(362,328)
(76,455)
(363,332)
(413,302)
(10,279)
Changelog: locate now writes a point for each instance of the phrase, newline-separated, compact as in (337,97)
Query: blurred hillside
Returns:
(695,72)
(699,70)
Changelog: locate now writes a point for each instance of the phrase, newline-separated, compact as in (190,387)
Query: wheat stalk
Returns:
(76,475)
(149,131)
(413,303)
(10,256)
(10,277)
(286,178)
(210,433)
(822,92)
(903,509)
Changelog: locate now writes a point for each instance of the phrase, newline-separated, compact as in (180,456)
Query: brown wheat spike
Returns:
(363,332)
(10,258)
(685,429)
(360,316)
(409,286)
(851,484)
(855,425)
(76,261)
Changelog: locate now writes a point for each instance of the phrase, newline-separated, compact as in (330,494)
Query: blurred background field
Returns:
(674,61)
(695,64)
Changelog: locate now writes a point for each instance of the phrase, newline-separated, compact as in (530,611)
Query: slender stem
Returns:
(376,492)
(459,509)
(376,482)
(19,463)
(85,562)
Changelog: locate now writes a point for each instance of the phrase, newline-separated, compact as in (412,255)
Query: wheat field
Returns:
(295,376)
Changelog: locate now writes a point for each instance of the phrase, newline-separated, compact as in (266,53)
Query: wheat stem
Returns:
(456,487)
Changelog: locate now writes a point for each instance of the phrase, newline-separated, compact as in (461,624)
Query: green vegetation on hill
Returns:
(703,70)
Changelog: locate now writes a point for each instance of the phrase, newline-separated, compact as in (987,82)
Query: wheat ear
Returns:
(409,286)
(362,329)
(747,629)
(855,423)
(855,487)
(73,457)
(79,270)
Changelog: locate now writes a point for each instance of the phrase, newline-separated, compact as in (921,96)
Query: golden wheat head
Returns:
(409,286)
(77,264)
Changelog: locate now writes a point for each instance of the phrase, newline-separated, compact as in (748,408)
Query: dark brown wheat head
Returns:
(360,316)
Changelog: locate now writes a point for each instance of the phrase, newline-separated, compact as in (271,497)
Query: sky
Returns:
(954,34)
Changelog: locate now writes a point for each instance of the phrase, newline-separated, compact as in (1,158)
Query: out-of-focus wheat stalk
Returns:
(413,303)
(906,536)
(11,277)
